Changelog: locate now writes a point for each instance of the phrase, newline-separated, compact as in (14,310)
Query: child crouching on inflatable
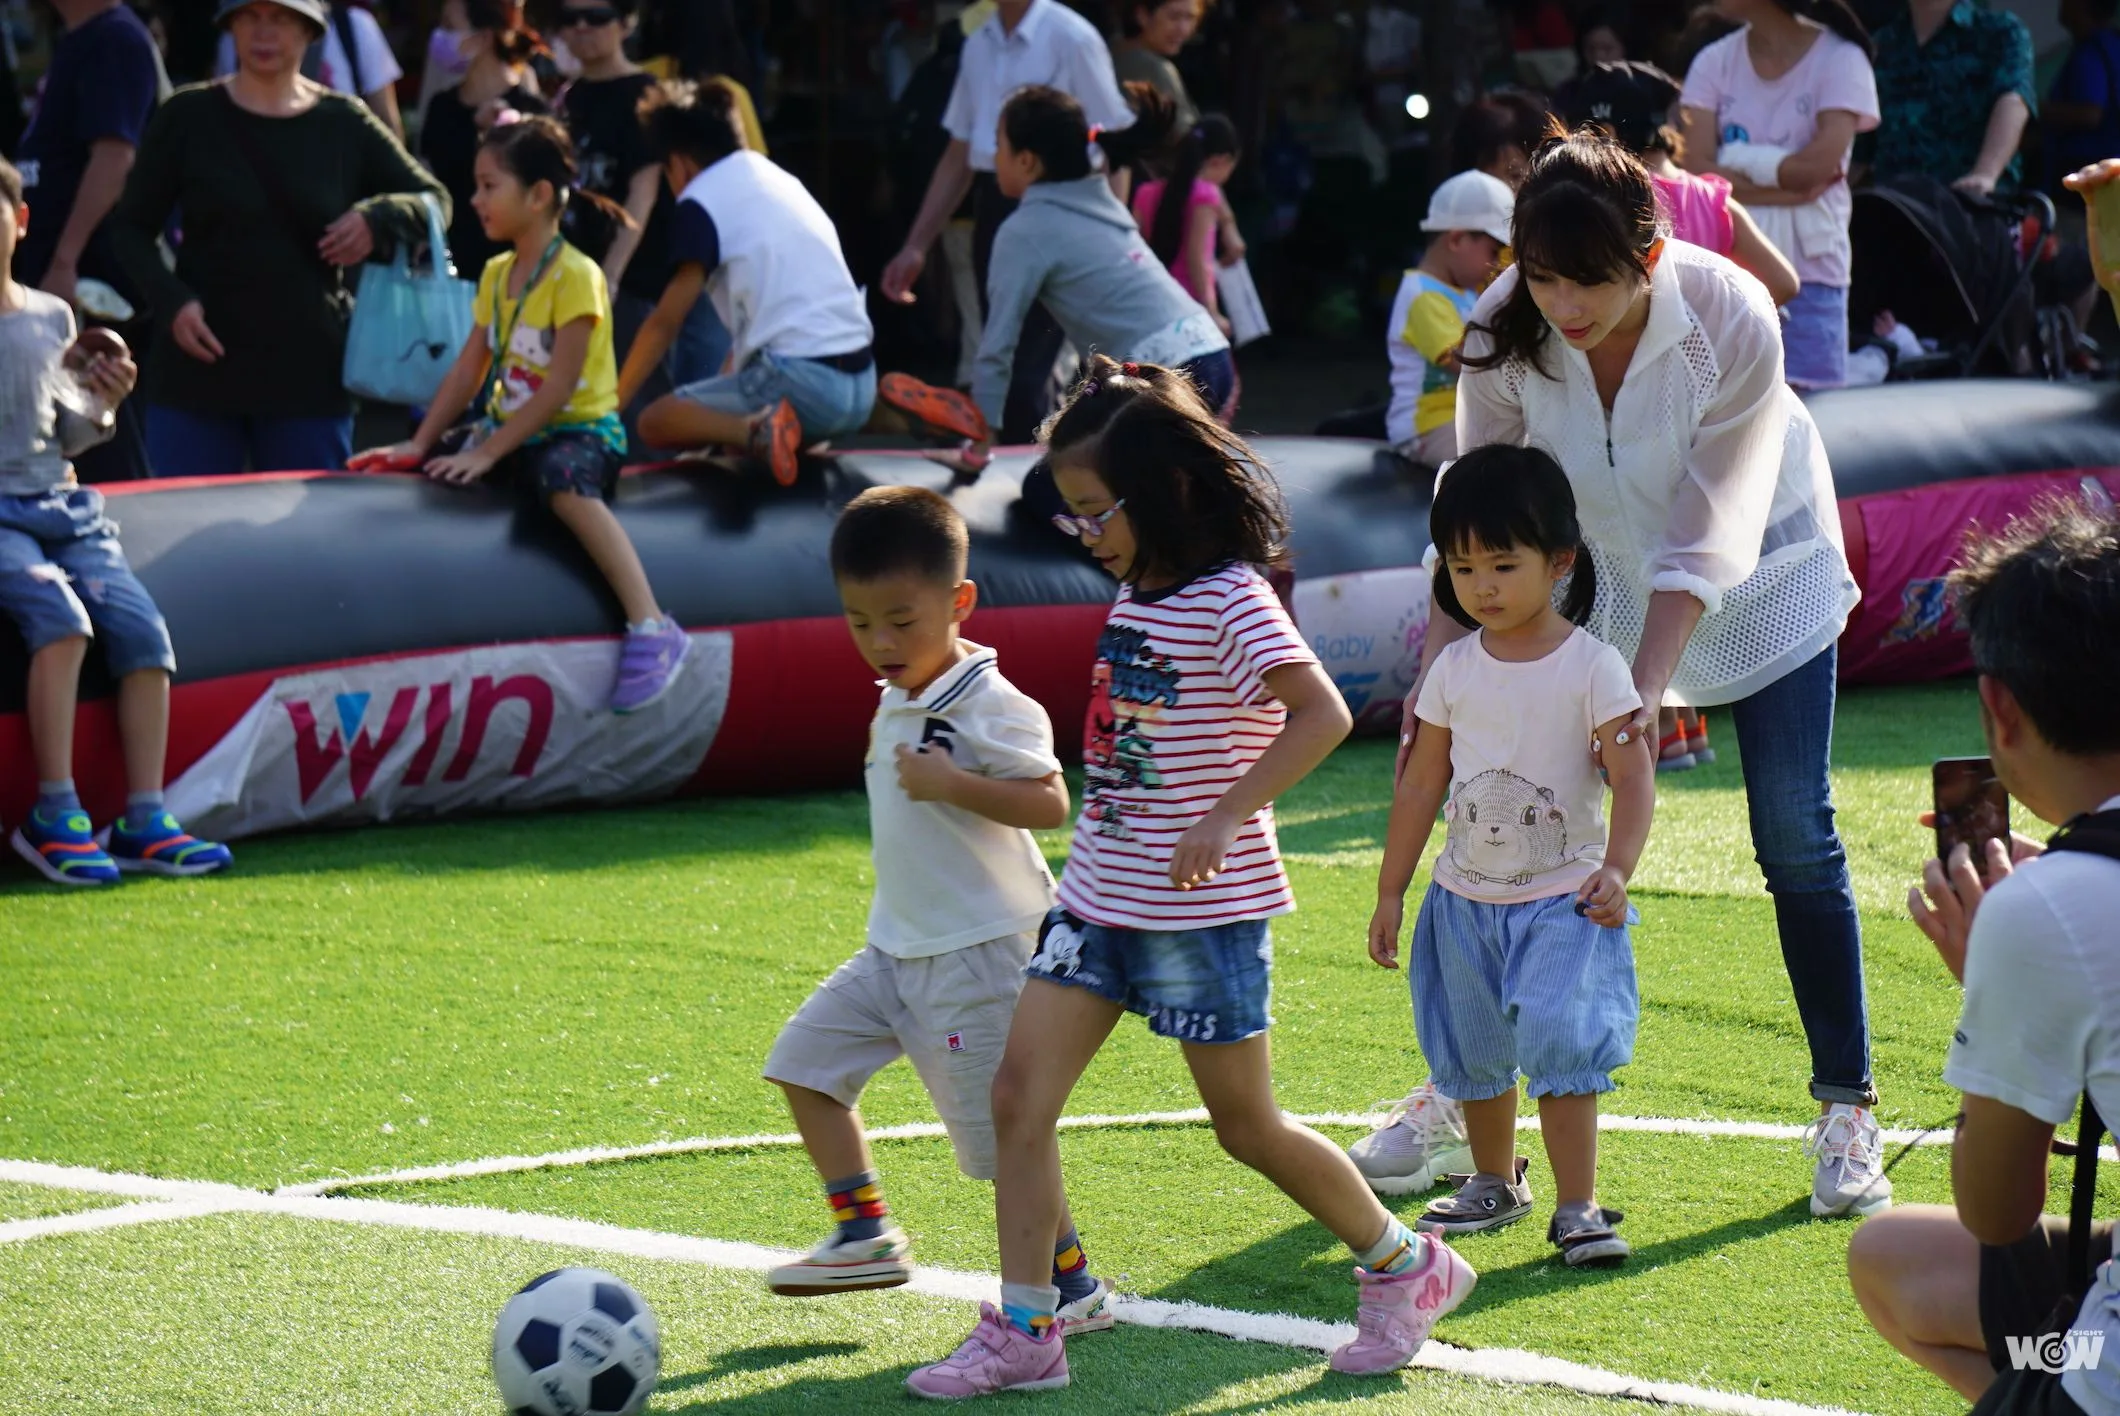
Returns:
(1205,705)
(960,771)
(751,236)
(540,371)
(1520,955)
(64,581)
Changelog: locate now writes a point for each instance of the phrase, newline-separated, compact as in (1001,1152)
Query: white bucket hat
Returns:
(1472,201)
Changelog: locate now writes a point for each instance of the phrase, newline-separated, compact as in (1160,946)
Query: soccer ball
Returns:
(576,1342)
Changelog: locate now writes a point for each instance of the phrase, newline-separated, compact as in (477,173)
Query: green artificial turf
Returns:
(345,1003)
(42,1202)
(258,1316)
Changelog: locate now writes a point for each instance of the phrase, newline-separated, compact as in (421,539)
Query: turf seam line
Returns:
(182,1199)
(922,1130)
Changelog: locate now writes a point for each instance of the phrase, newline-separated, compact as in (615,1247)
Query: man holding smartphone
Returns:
(1968,1292)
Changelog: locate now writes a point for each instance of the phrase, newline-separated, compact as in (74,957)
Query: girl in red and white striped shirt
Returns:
(1205,706)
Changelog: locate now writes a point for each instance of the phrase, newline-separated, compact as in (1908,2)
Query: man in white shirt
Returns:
(1968,1292)
(1025,42)
(370,72)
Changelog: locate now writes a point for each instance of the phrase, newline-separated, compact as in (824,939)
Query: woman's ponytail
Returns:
(1145,141)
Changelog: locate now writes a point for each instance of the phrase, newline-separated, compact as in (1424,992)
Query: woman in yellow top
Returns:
(540,370)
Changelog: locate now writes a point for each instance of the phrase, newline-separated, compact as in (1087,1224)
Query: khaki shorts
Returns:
(947,1014)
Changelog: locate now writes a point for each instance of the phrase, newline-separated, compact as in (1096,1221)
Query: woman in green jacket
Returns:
(281,187)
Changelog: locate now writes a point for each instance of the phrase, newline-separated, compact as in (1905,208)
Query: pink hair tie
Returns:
(505,117)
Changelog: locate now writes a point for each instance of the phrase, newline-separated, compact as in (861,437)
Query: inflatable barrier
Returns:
(357,648)
(1917,464)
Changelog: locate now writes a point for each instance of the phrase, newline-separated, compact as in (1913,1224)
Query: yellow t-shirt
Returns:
(571,288)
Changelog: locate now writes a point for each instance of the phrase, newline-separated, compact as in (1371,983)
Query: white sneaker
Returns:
(1422,1141)
(846,1266)
(1090,1314)
(1850,1178)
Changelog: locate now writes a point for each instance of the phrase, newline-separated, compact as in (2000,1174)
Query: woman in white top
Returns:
(1652,370)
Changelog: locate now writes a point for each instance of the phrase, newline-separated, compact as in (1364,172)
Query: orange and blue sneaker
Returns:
(60,846)
(160,846)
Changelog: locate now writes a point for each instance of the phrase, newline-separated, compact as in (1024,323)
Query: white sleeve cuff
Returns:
(1709,595)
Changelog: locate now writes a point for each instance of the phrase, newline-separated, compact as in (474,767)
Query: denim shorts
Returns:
(1193,985)
(1531,986)
(1814,336)
(63,576)
(830,402)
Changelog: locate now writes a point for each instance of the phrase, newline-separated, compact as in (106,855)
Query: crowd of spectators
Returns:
(1334,120)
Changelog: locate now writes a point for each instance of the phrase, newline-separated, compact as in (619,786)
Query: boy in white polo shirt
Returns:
(960,772)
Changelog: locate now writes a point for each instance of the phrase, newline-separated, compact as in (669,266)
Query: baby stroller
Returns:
(1957,270)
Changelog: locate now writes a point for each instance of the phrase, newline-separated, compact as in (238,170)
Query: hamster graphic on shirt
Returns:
(1525,818)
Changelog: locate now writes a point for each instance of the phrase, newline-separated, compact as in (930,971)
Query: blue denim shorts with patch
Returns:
(63,575)
(829,402)
(1193,985)
(1531,986)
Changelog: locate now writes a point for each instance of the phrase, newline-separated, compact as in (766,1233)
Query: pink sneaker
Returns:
(1397,1310)
(996,1357)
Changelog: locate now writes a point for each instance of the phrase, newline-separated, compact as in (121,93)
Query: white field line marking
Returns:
(920,1130)
(185,1199)
(111,1217)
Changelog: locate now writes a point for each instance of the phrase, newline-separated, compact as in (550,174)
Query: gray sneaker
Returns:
(1420,1142)
(1850,1177)
(1588,1238)
(1482,1201)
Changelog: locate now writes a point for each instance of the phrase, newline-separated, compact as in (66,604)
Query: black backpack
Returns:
(2094,833)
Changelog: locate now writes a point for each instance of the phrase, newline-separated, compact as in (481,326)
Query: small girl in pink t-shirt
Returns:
(1184,236)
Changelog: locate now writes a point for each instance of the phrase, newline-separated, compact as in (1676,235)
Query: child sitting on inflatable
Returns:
(540,370)
(64,581)
(750,235)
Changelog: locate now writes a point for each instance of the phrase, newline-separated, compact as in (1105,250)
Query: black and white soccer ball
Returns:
(576,1342)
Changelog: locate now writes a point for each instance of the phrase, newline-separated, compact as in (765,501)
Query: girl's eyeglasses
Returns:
(1088,528)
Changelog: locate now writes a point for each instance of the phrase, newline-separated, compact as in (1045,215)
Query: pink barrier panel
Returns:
(1903,543)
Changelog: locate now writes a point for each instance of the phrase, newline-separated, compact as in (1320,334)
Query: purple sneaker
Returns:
(1398,1310)
(996,1357)
(648,662)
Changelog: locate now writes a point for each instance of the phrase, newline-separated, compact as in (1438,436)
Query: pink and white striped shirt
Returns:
(1179,711)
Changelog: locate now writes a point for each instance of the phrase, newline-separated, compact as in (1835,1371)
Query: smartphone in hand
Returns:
(1971,808)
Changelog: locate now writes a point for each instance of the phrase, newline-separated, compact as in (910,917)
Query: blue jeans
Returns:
(1785,735)
(702,345)
(1814,336)
(1530,985)
(830,402)
(63,576)
(1193,985)
(182,444)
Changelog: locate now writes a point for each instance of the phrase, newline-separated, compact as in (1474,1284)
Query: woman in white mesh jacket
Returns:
(1652,371)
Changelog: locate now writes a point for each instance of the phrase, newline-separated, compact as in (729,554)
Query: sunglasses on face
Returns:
(1089,528)
(600,16)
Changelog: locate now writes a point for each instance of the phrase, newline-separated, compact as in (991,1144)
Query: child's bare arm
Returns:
(1318,722)
(659,331)
(459,386)
(570,352)
(1414,804)
(1030,803)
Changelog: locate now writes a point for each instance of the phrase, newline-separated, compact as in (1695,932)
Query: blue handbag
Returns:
(408,325)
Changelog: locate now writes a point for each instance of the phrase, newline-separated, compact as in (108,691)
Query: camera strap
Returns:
(2094,833)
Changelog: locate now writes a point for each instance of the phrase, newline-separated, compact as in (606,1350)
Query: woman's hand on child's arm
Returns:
(1631,771)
